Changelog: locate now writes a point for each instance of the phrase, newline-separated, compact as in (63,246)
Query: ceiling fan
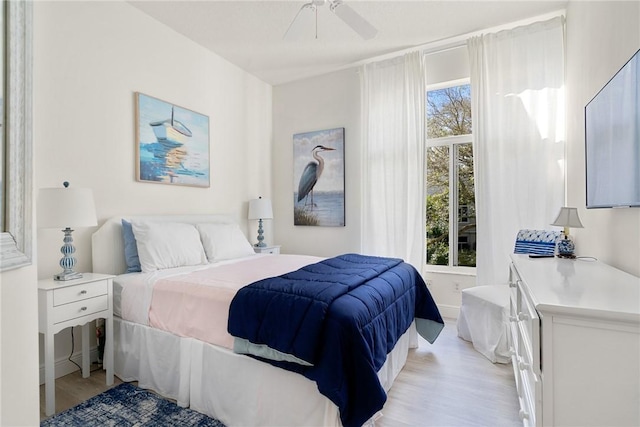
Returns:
(349,16)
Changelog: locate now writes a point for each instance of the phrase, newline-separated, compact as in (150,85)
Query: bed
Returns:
(190,357)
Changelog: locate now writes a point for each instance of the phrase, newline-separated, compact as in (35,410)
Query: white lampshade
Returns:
(66,207)
(260,209)
(568,218)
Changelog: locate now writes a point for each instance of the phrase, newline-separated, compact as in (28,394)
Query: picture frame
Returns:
(318,174)
(172,143)
(16,228)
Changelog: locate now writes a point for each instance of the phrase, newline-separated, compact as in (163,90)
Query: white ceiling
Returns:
(250,33)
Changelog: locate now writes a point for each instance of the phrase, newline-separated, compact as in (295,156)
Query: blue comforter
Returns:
(335,322)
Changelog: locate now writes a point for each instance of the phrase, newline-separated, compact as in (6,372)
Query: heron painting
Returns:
(318,195)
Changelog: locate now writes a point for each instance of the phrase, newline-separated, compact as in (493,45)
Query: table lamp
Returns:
(568,217)
(260,209)
(65,208)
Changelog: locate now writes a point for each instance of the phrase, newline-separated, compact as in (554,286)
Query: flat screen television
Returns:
(612,140)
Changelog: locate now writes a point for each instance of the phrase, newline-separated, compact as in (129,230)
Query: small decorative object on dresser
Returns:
(567,217)
(62,208)
(74,303)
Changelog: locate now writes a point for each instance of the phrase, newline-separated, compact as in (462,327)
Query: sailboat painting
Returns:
(172,143)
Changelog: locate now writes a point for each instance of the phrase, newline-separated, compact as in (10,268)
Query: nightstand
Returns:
(62,304)
(275,250)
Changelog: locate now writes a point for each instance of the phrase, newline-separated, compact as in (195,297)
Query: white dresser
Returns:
(575,328)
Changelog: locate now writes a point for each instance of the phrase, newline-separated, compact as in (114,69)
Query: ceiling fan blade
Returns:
(353,19)
(303,23)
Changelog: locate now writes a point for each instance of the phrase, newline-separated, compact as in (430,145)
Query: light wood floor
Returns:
(444,384)
(72,389)
(448,383)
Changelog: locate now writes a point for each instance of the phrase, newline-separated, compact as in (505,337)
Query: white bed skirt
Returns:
(235,389)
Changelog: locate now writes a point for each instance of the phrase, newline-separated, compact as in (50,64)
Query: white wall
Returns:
(90,58)
(19,397)
(601,37)
(325,102)
(19,393)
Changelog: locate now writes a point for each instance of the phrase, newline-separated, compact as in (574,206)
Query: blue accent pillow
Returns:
(130,248)
(541,242)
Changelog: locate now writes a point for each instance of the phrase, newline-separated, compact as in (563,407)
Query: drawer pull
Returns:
(523,366)
(523,316)
(513,319)
(523,414)
(83,309)
(83,292)
(512,284)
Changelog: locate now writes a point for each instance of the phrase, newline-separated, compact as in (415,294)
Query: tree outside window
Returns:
(450,204)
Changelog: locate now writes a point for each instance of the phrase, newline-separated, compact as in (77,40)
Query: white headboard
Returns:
(107,244)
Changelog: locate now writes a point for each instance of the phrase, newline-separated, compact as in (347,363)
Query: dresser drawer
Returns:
(515,345)
(81,308)
(525,332)
(79,292)
(530,407)
(529,330)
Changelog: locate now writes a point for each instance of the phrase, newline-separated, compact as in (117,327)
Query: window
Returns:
(451,222)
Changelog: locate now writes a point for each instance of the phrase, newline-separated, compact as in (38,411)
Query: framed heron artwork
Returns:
(318,175)
(172,143)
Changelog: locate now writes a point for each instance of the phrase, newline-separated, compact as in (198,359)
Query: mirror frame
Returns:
(16,237)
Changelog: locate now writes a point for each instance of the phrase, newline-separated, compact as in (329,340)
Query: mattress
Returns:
(136,291)
(194,301)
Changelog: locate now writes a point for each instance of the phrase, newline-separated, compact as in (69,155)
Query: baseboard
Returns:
(449,311)
(63,366)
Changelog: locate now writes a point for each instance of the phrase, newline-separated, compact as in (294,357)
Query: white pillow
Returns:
(224,241)
(167,245)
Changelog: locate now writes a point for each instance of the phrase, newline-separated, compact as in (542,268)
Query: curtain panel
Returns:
(517,98)
(393,155)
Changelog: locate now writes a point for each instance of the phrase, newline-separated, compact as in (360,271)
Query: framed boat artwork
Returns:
(318,174)
(172,143)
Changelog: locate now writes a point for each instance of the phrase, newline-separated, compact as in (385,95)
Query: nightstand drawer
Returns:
(77,309)
(79,292)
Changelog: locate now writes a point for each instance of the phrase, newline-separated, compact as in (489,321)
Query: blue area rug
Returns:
(127,405)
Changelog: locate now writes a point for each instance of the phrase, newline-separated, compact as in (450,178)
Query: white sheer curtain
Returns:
(517,95)
(393,181)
